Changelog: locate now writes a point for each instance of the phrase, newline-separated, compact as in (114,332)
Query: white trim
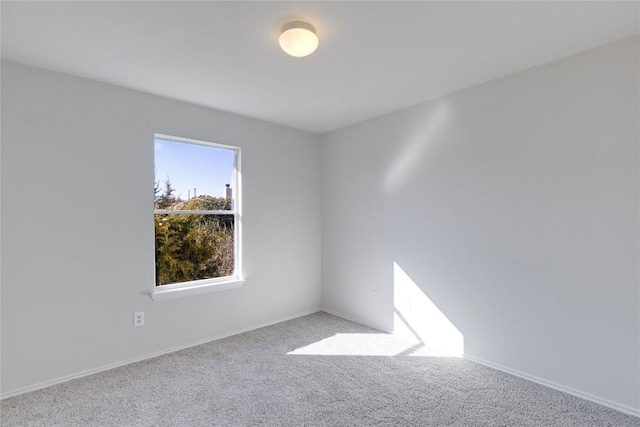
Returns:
(195,287)
(356,320)
(178,290)
(109,366)
(581,394)
(193,141)
(237,207)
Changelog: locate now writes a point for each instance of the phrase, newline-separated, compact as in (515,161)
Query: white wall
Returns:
(513,206)
(77,226)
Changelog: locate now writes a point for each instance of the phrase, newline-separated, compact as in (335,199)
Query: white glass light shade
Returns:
(298,39)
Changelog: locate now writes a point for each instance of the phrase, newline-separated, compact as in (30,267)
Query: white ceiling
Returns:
(374,57)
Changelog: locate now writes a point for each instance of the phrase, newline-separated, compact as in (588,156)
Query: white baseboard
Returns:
(587,396)
(605,402)
(109,366)
(356,320)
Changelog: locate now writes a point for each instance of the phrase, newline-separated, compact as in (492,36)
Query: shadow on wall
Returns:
(390,232)
(412,154)
(415,315)
(420,329)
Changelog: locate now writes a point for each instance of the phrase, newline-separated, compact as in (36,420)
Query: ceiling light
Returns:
(298,39)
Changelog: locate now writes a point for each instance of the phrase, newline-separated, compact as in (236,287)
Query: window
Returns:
(196,217)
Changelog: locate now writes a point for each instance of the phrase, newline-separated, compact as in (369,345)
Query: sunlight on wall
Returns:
(416,316)
(411,155)
(376,344)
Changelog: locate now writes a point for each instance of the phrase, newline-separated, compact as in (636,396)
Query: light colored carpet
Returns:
(317,370)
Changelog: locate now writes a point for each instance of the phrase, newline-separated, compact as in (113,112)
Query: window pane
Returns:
(193,247)
(192,176)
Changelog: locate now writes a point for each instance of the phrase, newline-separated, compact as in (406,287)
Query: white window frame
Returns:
(194,287)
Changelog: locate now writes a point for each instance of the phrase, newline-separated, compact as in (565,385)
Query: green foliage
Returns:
(192,247)
(165,199)
(208,203)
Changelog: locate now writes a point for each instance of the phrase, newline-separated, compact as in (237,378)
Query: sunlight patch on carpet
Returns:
(357,345)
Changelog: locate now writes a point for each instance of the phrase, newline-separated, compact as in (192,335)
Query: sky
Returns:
(186,165)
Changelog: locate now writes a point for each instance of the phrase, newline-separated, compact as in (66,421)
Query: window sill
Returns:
(162,293)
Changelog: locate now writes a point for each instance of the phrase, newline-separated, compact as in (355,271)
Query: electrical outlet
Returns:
(138,319)
(375,293)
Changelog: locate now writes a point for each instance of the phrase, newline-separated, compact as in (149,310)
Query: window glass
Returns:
(195,218)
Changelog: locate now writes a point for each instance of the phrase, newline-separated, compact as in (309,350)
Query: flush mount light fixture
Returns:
(298,39)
